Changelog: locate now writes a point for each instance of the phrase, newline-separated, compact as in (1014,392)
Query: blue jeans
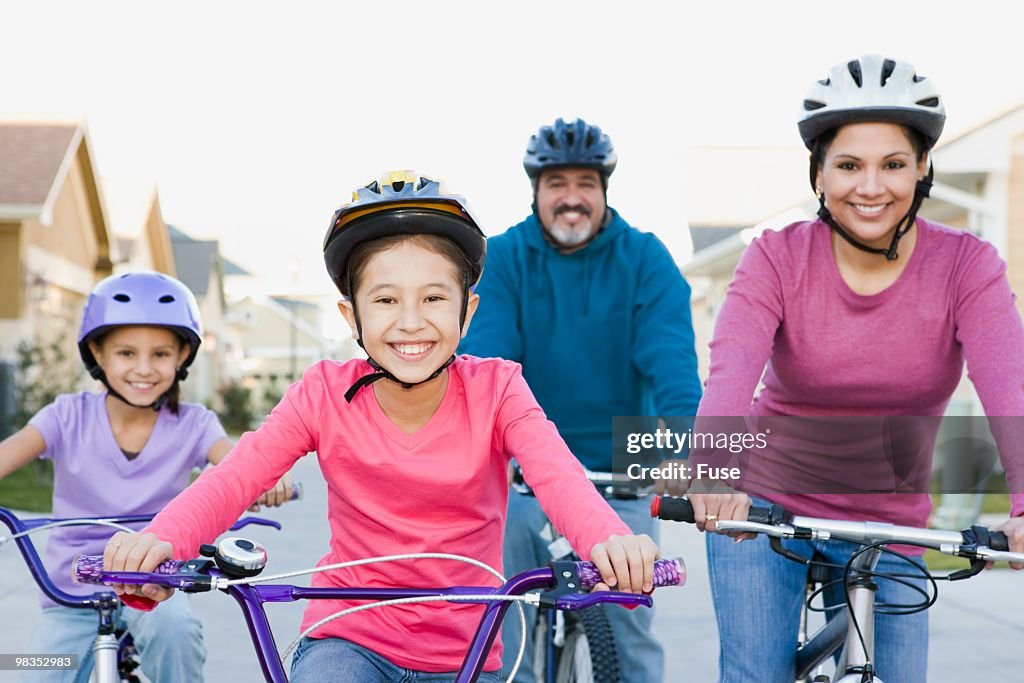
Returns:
(328,660)
(641,658)
(169,640)
(758,596)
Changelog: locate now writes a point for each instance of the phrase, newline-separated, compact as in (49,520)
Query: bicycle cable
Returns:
(517,600)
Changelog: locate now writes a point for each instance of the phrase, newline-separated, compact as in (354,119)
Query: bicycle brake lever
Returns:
(260,521)
(578,601)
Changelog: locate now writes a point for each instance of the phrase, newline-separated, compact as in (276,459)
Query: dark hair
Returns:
(174,393)
(824,141)
(442,246)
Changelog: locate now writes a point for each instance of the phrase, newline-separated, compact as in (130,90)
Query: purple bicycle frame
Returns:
(252,597)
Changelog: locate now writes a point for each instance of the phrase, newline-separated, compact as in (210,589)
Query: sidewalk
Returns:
(976,625)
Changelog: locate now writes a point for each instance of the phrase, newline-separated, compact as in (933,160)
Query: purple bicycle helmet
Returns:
(140,298)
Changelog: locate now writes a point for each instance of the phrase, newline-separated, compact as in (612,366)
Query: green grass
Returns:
(29,488)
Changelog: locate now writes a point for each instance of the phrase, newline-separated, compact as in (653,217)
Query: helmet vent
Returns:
(124,298)
(825,81)
(888,66)
(855,71)
(929,102)
(166,299)
(397,185)
(811,105)
(918,79)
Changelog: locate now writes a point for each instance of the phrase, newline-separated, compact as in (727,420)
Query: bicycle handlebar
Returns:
(179,574)
(976,542)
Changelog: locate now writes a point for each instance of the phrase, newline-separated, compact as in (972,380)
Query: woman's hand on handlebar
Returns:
(718,502)
(626,563)
(1014,530)
(280,494)
(137,552)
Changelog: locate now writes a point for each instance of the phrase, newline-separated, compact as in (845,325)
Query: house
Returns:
(201,268)
(55,240)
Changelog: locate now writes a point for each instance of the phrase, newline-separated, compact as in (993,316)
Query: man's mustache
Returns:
(563,208)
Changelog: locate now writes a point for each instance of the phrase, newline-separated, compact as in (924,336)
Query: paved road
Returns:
(975,627)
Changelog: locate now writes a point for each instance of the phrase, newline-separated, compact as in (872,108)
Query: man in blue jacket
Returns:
(598,315)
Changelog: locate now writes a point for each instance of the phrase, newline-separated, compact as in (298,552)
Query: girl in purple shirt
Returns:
(868,311)
(140,332)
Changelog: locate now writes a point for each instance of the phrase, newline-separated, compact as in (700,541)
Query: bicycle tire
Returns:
(589,654)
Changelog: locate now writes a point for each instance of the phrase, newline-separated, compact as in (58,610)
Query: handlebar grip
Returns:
(667,572)
(997,541)
(89,569)
(672,509)
(681,510)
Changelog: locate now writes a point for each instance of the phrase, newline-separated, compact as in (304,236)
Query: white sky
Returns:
(256,120)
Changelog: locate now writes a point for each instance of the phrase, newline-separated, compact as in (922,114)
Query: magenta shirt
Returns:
(826,350)
(442,489)
(93,478)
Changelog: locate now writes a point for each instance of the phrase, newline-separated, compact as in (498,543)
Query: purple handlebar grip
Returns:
(667,572)
(89,568)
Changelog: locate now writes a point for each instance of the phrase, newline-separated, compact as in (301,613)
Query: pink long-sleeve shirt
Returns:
(442,489)
(826,350)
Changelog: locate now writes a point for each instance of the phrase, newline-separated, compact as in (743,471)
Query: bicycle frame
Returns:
(977,544)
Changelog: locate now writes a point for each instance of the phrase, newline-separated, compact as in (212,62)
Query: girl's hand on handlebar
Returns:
(713,506)
(1014,530)
(137,552)
(626,563)
(277,496)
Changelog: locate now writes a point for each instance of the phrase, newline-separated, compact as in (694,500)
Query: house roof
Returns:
(704,236)
(195,260)
(33,157)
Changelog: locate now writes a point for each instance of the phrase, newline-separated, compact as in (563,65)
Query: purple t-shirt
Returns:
(93,478)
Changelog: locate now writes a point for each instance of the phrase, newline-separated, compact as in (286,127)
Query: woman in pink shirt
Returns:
(413,442)
(868,311)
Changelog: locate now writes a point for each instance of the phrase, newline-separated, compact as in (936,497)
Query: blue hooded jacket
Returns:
(605,331)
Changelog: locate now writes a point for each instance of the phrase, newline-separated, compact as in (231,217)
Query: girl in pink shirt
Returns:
(413,442)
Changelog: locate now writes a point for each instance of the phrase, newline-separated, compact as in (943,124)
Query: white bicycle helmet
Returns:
(872,88)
